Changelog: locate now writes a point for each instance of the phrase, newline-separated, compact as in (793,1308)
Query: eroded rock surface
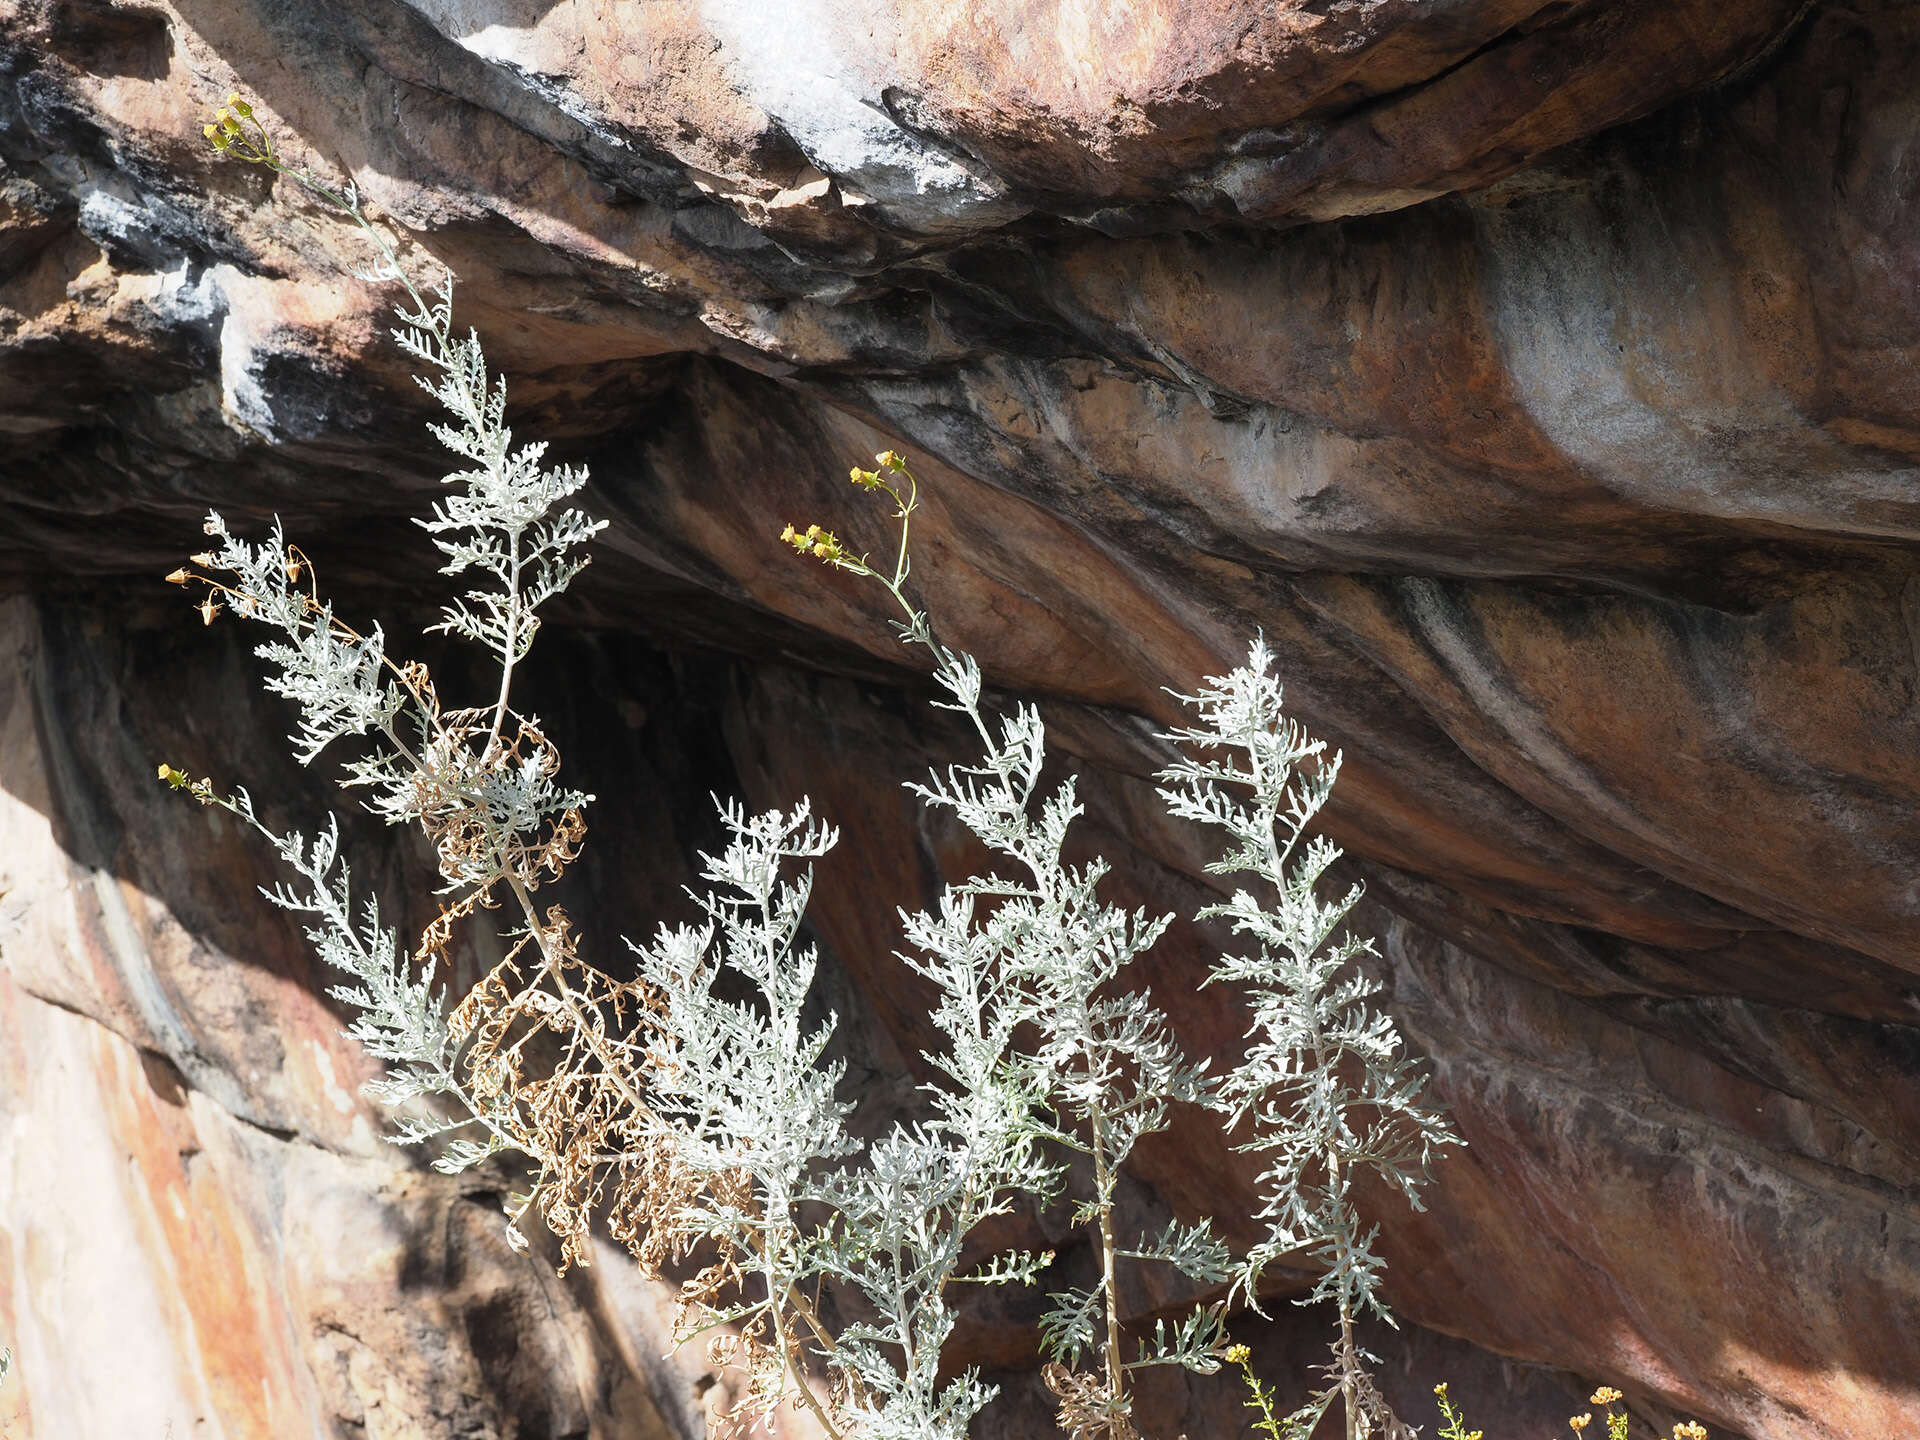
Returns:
(1542,378)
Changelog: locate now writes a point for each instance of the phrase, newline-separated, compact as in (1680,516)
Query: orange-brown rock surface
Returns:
(1543,378)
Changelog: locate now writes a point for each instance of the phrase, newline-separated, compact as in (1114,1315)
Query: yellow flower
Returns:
(1441,1389)
(1689,1430)
(1237,1354)
(1605,1395)
(201,790)
(239,107)
(1579,1422)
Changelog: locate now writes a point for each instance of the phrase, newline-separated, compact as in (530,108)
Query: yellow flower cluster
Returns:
(821,544)
(1606,1396)
(825,545)
(228,137)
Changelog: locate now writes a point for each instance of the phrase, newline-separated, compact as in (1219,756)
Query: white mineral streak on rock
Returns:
(1671,403)
(794,63)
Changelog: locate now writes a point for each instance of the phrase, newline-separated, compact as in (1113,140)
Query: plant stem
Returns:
(1103,1184)
(1348,1358)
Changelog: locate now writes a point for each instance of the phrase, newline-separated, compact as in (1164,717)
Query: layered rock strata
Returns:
(1540,378)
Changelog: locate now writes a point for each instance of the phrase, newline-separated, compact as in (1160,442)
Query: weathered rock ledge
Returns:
(1542,378)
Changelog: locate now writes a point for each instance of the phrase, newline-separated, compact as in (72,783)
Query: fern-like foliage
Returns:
(1326,1091)
(767,1180)
(480,782)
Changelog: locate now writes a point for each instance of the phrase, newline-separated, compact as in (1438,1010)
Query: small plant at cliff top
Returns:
(690,1105)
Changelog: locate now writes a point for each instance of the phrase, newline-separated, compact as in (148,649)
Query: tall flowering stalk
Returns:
(1103,1065)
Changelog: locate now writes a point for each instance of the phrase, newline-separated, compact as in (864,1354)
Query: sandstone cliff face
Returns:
(1542,378)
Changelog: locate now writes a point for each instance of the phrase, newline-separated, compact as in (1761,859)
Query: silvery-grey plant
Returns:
(688,1106)
(480,782)
(1102,1065)
(1325,1091)
(752,1117)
